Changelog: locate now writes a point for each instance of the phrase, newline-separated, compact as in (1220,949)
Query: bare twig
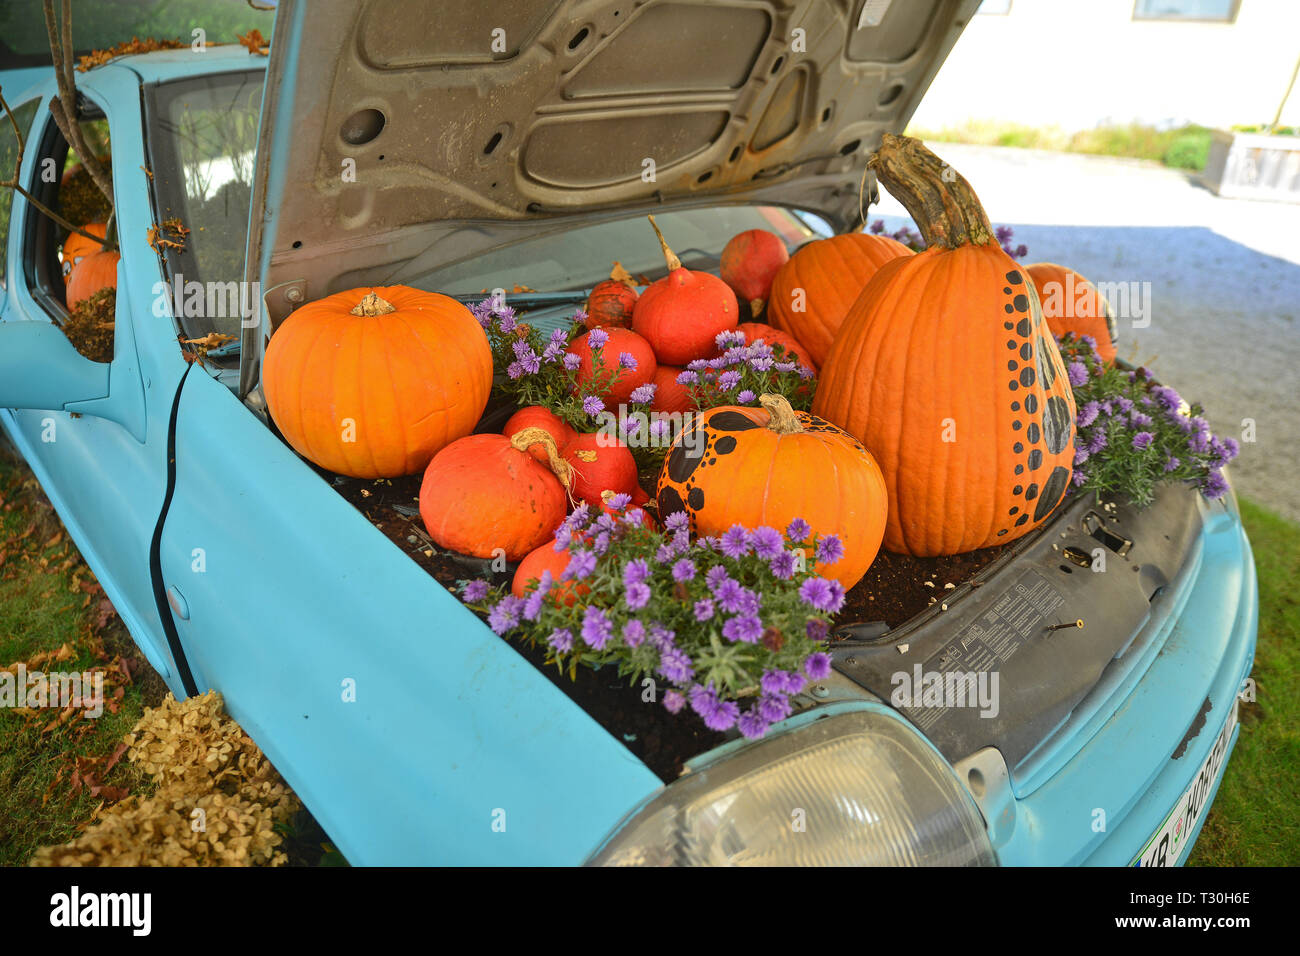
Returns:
(64,106)
(13,183)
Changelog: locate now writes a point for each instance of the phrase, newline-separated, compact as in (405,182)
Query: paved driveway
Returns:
(1224,280)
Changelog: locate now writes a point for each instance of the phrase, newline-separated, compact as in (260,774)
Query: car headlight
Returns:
(854,789)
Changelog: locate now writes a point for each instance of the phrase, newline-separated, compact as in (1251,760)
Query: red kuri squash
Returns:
(750,260)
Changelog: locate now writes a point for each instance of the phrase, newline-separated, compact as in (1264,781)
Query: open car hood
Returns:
(402,135)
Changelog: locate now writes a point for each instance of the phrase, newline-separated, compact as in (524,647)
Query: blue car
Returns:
(522,145)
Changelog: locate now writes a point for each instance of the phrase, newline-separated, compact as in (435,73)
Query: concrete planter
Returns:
(1254,166)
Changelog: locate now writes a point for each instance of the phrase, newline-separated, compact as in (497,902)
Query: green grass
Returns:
(41,609)
(1254,820)
(1184,147)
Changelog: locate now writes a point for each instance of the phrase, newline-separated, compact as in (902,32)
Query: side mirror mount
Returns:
(39,368)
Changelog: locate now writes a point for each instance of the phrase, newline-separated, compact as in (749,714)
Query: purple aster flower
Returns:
(1080,456)
(636,570)
(687,378)
(817,629)
(730,596)
(1004,234)
(735,542)
(633,633)
(579,318)
(597,629)
(1199,443)
(715,576)
(559,338)
(1215,486)
(805,372)
(597,338)
(724,716)
(627,360)
(581,564)
(1139,420)
(571,361)
(1172,463)
(643,394)
(761,364)
(1077,372)
(772,682)
(638,596)
(817,666)
(774,707)
(677,521)
(745,396)
(829,549)
(605,522)
(505,615)
(729,338)
(703,698)
(817,593)
(674,701)
(1096,442)
(786,366)
(506,316)
(660,429)
(515,370)
(684,570)
(533,604)
(1022,250)
(794,682)
(1087,414)
(1167,398)
(592,405)
(1143,440)
(745,628)
(475,591)
(728,380)
(783,565)
(1079,478)
(767,542)
(675,665)
(878,227)
(620,501)
(552,352)
(798,530)
(703,610)
(751,724)
(661,637)
(561,640)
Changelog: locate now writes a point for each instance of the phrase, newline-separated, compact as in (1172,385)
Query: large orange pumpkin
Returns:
(76,247)
(94,272)
(682,313)
(770,465)
(484,492)
(1072,304)
(372,382)
(812,292)
(945,368)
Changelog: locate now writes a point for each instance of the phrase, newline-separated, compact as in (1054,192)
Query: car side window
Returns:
(70,273)
(12,136)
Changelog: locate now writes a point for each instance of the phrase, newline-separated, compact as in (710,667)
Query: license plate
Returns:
(1168,842)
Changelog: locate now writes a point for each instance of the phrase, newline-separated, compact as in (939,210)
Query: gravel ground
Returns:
(1224,287)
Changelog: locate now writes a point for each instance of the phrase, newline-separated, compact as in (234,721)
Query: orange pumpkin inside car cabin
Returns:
(373,382)
(94,272)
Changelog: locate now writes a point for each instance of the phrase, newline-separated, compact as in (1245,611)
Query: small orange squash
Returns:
(598,465)
(770,465)
(945,368)
(94,272)
(371,382)
(76,247)
(612,300)
(1072,304)
(682,313)
(539,416)
(812,292)
(545,558)
(617,343)
(484,492)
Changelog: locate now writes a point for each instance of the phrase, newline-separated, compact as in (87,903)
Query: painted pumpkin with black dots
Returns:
(770,465)
(946,369)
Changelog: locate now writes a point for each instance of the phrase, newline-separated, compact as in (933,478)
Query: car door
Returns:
(102,463)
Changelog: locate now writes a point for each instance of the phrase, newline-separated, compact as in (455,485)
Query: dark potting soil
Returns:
(893,590)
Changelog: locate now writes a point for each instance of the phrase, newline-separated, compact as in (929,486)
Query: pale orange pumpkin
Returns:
(373,382)
(1072,304)
(94,272)
(76,247)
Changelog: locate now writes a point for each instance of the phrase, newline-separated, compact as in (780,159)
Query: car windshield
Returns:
(580,257)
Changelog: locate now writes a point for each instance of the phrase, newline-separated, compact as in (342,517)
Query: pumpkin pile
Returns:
(947,370)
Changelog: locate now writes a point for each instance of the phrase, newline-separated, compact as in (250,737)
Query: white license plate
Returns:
(1167,843)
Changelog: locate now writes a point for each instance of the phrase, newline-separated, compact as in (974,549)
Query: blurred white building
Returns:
(1076,64)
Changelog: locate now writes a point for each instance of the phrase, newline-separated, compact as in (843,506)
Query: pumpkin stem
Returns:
(371,304)
(523,439)
(670,257)
(783,419)
(941,202)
